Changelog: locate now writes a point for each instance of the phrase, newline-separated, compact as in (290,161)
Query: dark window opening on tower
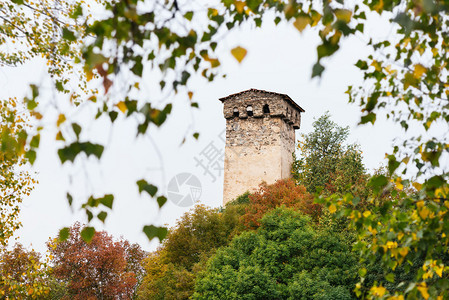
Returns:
(236,112)
(249,110)
(266,109)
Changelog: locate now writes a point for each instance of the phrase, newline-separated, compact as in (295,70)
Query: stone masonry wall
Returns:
(258,147)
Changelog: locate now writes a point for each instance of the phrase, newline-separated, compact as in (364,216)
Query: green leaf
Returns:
(362,65)
(390,277)
(68,35)
(107,200)
(34,91)
(87,234)
(161,200)
(70,152)
(327,49)
(188,15)
(77,12)
(69,199)
(137,69)
(371,117)
(102,216)
(113,115)
(31,104)
(145,186)
(196,135)
(59,86)
(317,69)
(64,234)
(77,129)
(35,141)
(378,181)
(31,156)
(393,164)
(90,215)
(152,231)
(434,182)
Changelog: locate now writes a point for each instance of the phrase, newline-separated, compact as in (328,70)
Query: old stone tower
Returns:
(260,139)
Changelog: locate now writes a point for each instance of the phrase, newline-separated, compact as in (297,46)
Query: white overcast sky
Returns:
(279,59)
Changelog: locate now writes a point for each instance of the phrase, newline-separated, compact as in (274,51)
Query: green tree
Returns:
(325,161)
(172,270)
(286,258)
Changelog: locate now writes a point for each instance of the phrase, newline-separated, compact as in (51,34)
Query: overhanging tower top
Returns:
(259,103)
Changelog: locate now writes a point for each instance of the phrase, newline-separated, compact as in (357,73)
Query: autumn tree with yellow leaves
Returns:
(24,274)
(15,182)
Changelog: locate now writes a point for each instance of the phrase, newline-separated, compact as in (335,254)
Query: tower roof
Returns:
(283,96)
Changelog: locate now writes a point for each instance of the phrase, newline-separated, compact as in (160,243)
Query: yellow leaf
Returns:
(378,291)
(213,12)
(89,75)
(439,270)
(332,208)
(367,213)
(61,119)
(419,70)
(399,297)
(240,6)
(59,136)
(122,106)
(190,95)
(403,252)
(316,17)
(417,185)
(239,53)
(343,15)
(377,65)
(435,52)
(423,290)
(301,22)
(399,184)
(423,213)
(379,6)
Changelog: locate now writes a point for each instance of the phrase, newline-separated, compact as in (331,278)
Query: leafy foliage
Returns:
(325,161)
(103,268)
(287,258)
(283,192)
(15,182)
(172,270)
(23,274)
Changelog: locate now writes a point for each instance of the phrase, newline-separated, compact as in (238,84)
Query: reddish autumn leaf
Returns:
(101,269)
(283,192)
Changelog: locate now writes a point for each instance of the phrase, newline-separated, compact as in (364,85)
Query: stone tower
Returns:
(260,139)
